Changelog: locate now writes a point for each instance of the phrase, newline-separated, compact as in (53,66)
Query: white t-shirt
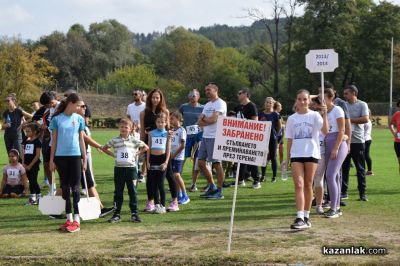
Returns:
(178,137)
(304,130)
(333,115)
(321,143)
(367,130)
(218,105)
(134,111)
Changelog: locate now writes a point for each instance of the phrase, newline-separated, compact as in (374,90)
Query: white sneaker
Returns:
(319,210)
(256,185)
(159,209)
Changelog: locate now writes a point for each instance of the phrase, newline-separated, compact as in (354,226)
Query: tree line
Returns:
(268,56)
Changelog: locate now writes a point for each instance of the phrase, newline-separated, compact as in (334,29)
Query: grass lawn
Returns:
(198,234)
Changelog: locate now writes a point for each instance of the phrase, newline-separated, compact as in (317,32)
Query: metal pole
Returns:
(322,87)
(391,81)
(233,208)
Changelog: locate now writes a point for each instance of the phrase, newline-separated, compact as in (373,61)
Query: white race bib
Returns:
(12,177)
(158,143)
(398,135)
(193,129)
(125,155)
(29,148)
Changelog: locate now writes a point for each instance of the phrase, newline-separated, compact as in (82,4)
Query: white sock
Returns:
(306,214)
(54,187)
(300,214)
(77,218)
(69,217)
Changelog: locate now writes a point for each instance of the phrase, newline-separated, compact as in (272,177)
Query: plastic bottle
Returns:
(284,174)
(8,121)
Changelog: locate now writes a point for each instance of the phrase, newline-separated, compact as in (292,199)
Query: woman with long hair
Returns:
(68,154)
(302,134)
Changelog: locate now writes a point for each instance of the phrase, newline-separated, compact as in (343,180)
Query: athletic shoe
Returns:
(298,224)
(344,196)
(273,180)
(369,173)
(159,209)
(262,179)
(173,207)
(74,227)
(180,198)
(332,214)
(363,198)
(31,201)
(342,203)
(185,200)
(141,179)
(116,218)
(45,184)
(209,193)
(256,185)
(149,207)
(216,196)
(193,188)
(206,188)
(226,185)
(135,218)
(319,210)
(106,211)
(307,222)
(339,211)
(64,226)
(326,205)
(240,183)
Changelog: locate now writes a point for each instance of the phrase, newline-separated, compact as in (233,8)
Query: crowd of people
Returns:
(323,135)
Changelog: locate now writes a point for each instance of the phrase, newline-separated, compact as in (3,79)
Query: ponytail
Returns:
(72,98)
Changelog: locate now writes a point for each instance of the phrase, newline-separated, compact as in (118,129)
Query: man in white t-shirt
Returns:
(134,109)
(208,120)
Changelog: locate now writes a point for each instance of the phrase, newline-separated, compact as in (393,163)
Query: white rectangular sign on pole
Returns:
(243,141)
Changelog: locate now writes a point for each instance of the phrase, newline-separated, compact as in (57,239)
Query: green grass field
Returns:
(198,234)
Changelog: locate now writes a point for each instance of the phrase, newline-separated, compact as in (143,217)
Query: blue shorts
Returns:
(190,141)
(177,166)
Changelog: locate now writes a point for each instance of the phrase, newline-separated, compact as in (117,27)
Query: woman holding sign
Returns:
(302,134)
(395,130)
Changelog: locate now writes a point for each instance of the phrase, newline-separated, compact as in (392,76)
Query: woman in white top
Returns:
(368,141)
(302,134)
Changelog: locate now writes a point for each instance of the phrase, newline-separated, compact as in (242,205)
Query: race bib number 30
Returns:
(125,156)
(193,129)
(29,148)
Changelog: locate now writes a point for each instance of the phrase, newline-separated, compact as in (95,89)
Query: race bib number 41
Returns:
(159,143)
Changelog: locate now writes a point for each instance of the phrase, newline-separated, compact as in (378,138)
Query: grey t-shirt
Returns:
(356,110)
(343,104)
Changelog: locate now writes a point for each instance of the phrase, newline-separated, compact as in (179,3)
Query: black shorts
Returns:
(18,189)
(397,149)
(303,160)
(46,149)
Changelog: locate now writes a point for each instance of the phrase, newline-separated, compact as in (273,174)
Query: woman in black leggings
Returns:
(68,154)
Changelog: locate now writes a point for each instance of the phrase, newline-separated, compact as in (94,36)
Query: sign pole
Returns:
(391,81)
(233,207)
(322,87)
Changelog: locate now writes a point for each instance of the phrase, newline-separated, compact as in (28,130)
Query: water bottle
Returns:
(8,120)
(284,174)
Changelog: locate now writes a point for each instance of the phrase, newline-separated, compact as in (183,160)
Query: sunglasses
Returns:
(82,106)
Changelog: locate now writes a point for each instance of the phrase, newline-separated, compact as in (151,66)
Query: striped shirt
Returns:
(125,150)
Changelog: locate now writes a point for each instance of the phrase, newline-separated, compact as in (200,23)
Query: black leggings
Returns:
(32,175)
(13,141)
(271,156)
(173,188)
(367,155)
(70,168)
(155,179)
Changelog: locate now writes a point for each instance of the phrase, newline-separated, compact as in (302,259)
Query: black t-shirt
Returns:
(14,119)
(246,111)
(30,147)
(88,112)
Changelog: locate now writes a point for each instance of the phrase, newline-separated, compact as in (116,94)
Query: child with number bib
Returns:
(157,161)
(32,148)
(178,155)
(15,182)
(125,151)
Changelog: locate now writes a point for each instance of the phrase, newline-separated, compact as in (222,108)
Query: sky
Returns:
(30,19)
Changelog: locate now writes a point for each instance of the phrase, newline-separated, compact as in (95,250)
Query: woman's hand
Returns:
(333,155)
(52,166)
(84,165)
(163,167)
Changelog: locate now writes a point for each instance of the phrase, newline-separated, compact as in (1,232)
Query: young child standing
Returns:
(15,182)
(32,148)
(178,155)
(126,149)
(157,161)
(196,169)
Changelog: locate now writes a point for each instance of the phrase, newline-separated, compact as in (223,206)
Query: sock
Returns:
(32,196)
(54,187)
(69,217)
(300,214)
(77,218)
(38,196)
(306,214)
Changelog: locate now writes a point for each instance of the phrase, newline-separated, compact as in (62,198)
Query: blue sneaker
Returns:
(180,198)
(209,193)
(185,200)
(216,196)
